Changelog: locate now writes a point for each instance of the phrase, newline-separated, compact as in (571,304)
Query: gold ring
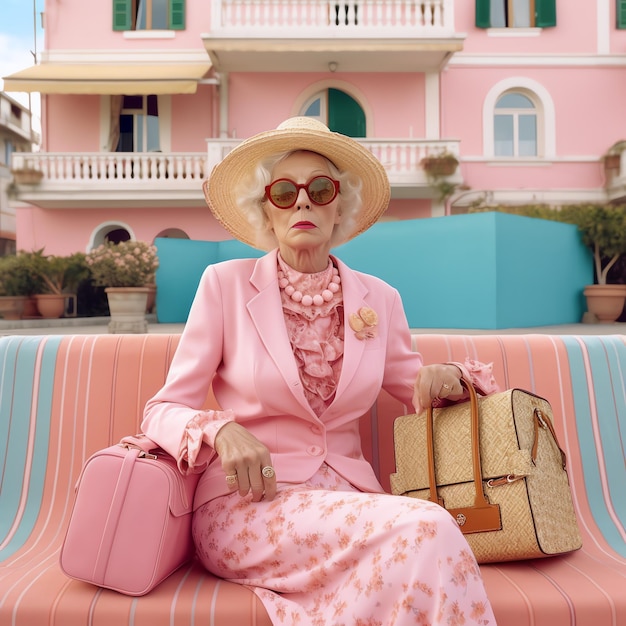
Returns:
(231,479)
(268,471)
(446,386)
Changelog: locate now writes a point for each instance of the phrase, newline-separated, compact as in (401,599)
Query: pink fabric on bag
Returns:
(131,523)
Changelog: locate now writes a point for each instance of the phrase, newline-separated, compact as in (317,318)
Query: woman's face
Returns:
(305,226)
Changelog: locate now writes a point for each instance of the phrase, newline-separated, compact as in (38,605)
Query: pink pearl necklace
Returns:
(306,300)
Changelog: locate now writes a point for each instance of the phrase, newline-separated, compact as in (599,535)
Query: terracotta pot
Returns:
(127,306)
(50,305)
(27,176)
(30,308)
(12,307)
(606,302)
(439,166)
(612,161)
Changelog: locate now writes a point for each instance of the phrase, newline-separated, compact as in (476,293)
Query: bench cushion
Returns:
(63,398)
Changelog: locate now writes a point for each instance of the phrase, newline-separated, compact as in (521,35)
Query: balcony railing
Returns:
(330,18)
(119,167)
(400,157)
(154,178)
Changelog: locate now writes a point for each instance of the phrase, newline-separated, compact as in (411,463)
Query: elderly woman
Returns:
(297,346)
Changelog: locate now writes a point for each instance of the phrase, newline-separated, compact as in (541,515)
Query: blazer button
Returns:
(316,430)
(315,450)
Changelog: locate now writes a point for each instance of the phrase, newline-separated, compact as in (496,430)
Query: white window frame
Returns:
(544,109)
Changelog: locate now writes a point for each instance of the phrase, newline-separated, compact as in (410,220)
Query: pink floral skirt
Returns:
(324,554)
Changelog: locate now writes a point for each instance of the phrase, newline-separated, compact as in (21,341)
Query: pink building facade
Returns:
(140,98)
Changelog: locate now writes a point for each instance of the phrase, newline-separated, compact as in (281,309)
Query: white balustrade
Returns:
(155,170)
(118,166)
(330,18)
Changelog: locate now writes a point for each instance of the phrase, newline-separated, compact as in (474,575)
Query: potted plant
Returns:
(59,276)
(17,285)
(603,230)
(440,164)
(27,174)
(613,156)
(125,269)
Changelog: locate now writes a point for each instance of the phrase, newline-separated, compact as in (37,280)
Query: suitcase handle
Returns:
(483,516)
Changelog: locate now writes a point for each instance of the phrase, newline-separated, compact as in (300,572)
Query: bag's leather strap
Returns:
(113,517)
(483,516)
(542,422)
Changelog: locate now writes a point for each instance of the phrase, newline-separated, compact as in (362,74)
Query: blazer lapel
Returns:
(266,312)
(354,292)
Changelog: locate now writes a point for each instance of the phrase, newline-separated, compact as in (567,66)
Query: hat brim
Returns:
(346,153)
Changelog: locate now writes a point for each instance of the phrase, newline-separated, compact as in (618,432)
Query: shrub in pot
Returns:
(60,276)
(17,284)
(125,269)
(603,230)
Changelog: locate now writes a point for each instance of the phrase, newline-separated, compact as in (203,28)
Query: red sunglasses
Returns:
(283,193)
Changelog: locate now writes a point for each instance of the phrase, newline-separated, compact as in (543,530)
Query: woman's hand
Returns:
(437,381)
(244,458)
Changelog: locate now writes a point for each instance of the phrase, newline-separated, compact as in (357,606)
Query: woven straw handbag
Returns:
(495,464)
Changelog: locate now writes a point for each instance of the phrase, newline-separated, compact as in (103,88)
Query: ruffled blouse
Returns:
(316,335)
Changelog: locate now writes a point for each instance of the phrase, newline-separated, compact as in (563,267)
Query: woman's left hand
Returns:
(437,381)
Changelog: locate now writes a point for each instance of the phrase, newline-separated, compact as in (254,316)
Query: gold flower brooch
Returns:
(364,323)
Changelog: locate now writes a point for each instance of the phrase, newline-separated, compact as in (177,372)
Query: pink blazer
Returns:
(236,339)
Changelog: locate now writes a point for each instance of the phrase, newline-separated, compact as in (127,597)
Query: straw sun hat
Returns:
(296,133)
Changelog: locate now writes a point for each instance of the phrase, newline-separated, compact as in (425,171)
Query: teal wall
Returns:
(483,271)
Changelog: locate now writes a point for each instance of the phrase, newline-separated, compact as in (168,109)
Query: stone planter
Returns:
(127,306)
(606,302)
(151,298)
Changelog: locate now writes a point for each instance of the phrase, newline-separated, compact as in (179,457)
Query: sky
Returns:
(17,42)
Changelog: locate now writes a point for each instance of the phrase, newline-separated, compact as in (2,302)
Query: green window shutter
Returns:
(483,13)
(177,14)
(122,18)
(545,13)
(345,114)
(621,13)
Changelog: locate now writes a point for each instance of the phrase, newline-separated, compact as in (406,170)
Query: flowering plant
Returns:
(124,264)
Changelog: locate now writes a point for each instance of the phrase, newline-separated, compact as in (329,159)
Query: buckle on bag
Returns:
(504,480)
(142,453)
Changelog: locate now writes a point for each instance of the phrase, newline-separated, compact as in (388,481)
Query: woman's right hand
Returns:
(244,457)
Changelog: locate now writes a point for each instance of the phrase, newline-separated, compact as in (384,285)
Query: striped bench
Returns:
(62,398)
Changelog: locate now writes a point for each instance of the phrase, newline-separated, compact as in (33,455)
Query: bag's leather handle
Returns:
(140,442)
(483,516)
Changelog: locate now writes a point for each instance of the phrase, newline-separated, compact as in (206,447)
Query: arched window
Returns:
(114,232)
(515,126)
(338,110)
